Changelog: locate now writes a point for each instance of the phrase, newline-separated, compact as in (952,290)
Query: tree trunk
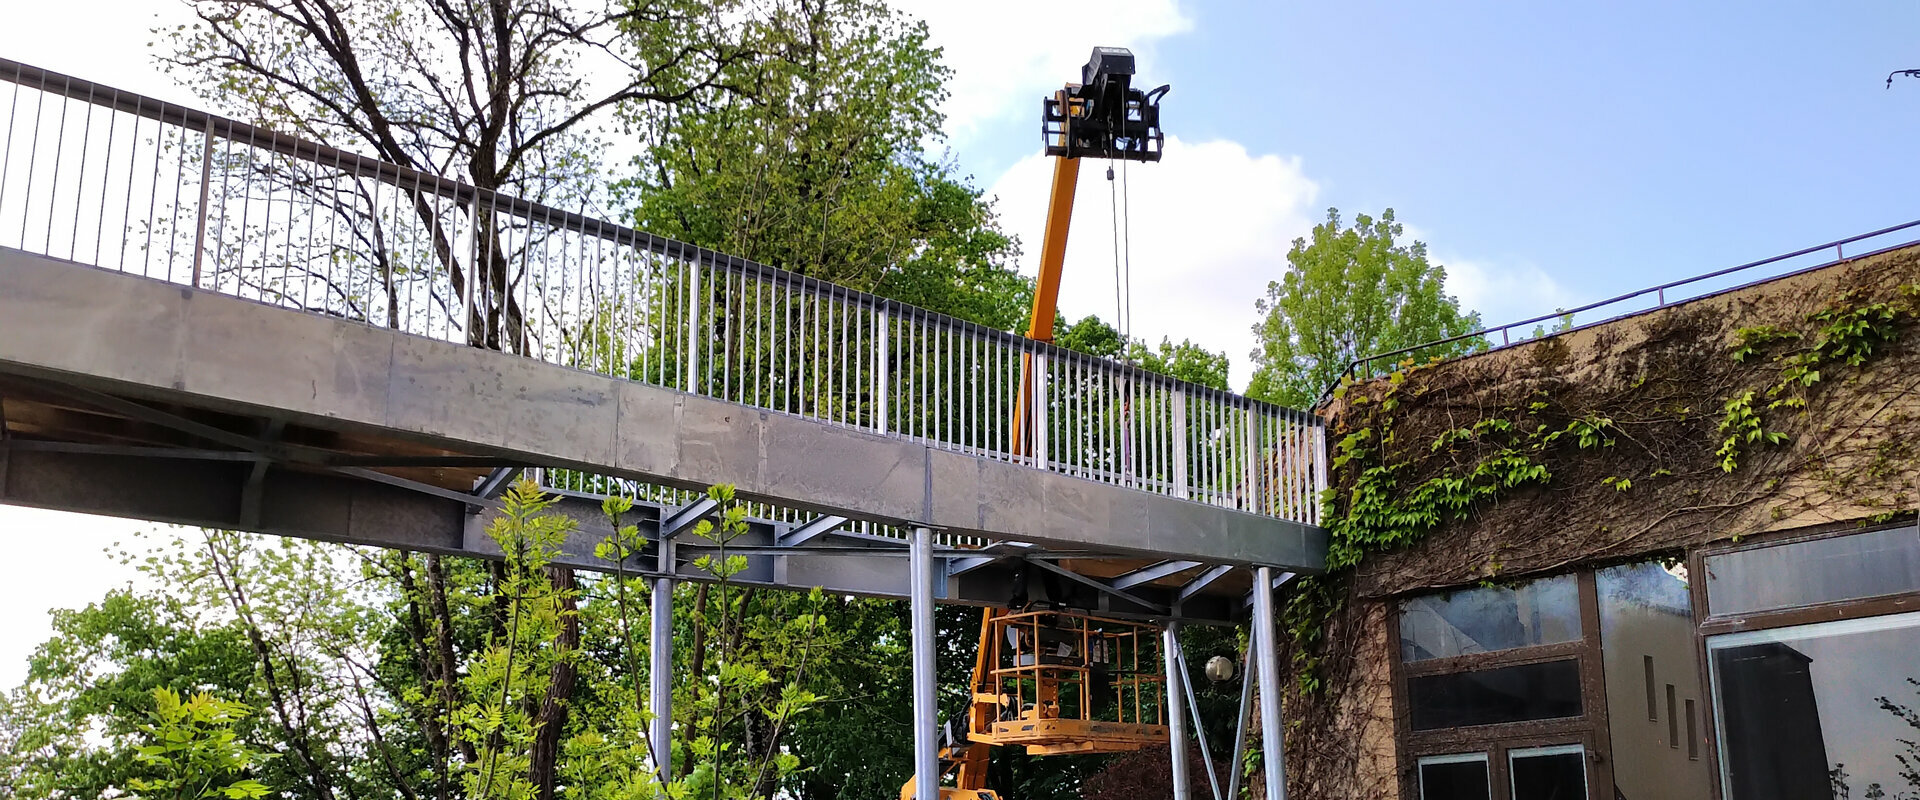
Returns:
(550,721)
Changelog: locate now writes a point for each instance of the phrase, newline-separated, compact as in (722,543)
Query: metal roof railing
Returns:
(1667,294)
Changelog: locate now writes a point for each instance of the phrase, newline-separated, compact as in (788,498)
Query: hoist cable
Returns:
(1126,232)
(1113,209)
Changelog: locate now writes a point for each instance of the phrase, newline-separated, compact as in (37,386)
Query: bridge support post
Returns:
(660,672)
(926,736)
(1266,656)
(1176,710)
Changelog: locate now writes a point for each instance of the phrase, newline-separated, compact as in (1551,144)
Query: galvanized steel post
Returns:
(1179,443)
(1266,655)
(926,736)
(882,369)
(693,325)
(206,183)
(660,674)
(1176,710)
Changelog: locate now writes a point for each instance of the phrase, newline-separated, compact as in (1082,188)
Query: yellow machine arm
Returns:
(1103,116)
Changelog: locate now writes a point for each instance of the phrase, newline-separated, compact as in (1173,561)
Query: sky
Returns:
(1549,154)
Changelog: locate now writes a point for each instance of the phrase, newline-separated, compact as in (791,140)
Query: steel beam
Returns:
(683,518)
(1204,580)
(1273,732)
(1098,584)
(819,527)
(1149,574)
(497,481)
(926,735)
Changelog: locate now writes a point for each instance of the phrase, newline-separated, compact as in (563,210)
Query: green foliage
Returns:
(1842,334)
(1350,292)
(1380,508)
(821,167)
(193,752)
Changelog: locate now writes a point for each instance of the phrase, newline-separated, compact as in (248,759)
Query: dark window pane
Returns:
(1507,694)
(1871,564)
(1454,778)
(1546,611)
(1819,712)
(1646,650)
(1549,773)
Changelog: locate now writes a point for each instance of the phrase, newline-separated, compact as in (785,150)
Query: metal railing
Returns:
(1685,290)
(116,180)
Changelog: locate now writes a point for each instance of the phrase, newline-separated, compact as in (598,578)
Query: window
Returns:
(1548,773)
(1498,686)
(1490,619)
(1819,711)
(1811,572)
(1455,777)
(1652,665)
(1520,693)
(1798,676)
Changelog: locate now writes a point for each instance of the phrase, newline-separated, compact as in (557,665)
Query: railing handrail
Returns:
(1837,245)
(60,84)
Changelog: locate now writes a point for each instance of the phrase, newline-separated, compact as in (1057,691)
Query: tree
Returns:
(497,90)
(1350,292)
(819,167)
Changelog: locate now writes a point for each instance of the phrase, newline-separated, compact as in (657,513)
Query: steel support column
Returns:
(926,739)
(1241,723)
(1176,711)
(1266,656)
(660,673)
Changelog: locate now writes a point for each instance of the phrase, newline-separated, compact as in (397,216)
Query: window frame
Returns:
(1495,740)
(1707,624)
(1592,729)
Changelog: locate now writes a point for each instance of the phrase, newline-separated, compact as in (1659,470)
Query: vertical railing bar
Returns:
(106,163)
(133,161)
(59,149)
(6,157)
(693,323)
(200,214)
(80,184)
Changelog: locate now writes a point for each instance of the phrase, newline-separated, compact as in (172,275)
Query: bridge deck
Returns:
(230,348)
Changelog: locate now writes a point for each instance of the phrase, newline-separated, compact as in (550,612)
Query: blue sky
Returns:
(1559,152)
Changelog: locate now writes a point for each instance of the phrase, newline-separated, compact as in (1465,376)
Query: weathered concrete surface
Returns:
(138,337)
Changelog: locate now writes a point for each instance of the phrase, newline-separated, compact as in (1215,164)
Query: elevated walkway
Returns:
(207,323)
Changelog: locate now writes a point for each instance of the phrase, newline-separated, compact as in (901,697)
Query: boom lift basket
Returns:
(1067,682)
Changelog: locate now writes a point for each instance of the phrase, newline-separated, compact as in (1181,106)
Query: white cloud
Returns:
(1006,53)
(1211,225)
(1503,293)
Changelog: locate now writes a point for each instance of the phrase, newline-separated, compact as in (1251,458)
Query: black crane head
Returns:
(1103,116)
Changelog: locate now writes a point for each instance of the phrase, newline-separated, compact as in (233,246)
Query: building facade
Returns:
(1672,555)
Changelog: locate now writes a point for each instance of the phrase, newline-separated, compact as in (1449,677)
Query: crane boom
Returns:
(1103,116)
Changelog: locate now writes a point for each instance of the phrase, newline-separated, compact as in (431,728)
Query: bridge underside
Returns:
(125,396)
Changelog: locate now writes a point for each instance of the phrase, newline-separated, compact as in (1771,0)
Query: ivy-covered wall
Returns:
(1778,406)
